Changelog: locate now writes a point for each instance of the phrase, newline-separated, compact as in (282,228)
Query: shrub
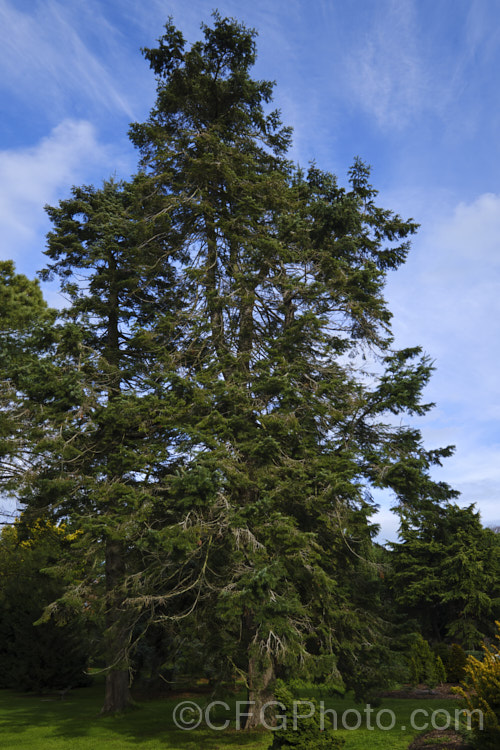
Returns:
(45,656)
(422,664)
(481,693)
(307,734)
(440,671)
(456,663)
(443,651)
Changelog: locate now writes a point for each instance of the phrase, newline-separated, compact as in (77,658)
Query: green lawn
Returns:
(30,722)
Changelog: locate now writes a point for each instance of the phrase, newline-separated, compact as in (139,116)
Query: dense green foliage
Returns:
(35,656)
(110,463)
(299,726)
(457,660)
(445,573)
(424,665)
(283,277)
(25,323)
(213,408)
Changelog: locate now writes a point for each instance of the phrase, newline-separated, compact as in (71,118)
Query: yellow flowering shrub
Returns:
(41,528)
(481,692)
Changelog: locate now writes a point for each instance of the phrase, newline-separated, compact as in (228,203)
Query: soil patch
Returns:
(439,739)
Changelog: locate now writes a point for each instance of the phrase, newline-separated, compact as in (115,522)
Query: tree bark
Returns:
(260,678)
(117,695)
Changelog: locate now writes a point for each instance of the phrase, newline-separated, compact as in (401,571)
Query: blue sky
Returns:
(411,86)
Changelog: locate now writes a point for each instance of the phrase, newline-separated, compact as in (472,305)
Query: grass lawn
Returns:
(29,722)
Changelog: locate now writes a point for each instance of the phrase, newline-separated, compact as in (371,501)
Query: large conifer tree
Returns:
(208,419)
(286,273)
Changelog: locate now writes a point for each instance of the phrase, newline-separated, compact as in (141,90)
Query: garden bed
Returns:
(439,739)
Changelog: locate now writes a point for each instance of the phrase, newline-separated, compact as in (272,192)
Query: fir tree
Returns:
(208,417)
(285,273)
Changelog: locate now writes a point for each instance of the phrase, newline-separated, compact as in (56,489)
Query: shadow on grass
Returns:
(25,717)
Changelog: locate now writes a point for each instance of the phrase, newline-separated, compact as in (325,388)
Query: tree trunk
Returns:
(117,696)
(212,289)
(260,677)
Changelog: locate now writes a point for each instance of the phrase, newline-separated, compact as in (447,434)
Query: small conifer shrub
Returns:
(303,733)
(456,663)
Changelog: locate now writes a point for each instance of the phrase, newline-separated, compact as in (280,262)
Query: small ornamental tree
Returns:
(423,665)
(440,671)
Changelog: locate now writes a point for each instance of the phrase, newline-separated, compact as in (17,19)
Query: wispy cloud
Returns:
(32,177)
(406,63)
(384,70)
(43,55)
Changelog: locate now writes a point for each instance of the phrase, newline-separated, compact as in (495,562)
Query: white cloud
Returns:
(474,230)
(447,299)
(452,280)
(32,177)
(387,520)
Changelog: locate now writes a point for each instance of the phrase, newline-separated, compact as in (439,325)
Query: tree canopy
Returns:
(215,405)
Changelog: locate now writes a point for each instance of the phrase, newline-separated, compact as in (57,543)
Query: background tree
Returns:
(25,322)
(444,573)
(37,655)
(109,437)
